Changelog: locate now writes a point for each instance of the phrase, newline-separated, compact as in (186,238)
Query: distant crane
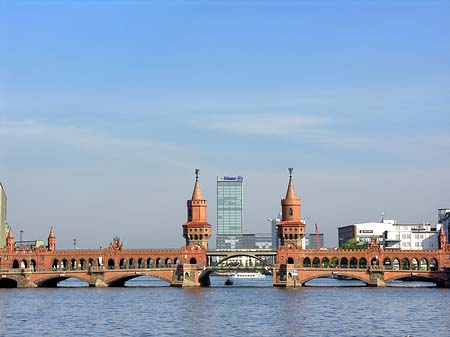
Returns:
(317,237)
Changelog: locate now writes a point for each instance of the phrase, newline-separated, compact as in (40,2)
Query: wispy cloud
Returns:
(262,124)
(87,146)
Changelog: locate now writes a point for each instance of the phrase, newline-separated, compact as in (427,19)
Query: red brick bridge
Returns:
(191,265)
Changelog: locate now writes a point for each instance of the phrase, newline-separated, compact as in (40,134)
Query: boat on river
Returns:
(229,282)
(247,275)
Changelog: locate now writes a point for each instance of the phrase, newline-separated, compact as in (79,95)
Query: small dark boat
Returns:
(229,282)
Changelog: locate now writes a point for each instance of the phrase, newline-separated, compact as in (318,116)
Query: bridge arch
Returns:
(353,262)
(423,264)
(414,264)
(6,282)
(405,264)
(193,260)
(55,264)
(334,262)
(344,262)
(51,281)
(421,277)
(362,263)
(73,264)
(325,262)
(15,264)
(325,274)
(33,264)
(307,262)
(150,263)
(316,262)
(111,264)
(119,281)
(433,264)
(82,264)
(396,264)
(257,258)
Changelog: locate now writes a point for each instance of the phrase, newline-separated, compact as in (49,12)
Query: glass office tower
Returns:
(3,225)
(229,208)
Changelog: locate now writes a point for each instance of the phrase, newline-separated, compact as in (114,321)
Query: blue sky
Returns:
(106,109)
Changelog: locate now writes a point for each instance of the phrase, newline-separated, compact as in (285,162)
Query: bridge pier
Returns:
(376,278)
(286,275)
(24,280)
(188,276)
(97,279)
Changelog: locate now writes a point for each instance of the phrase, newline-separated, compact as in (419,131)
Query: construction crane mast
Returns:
(317,237)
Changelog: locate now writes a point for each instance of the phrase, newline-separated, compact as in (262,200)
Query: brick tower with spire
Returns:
(51,240)
(442,239)
(197,230)
(291,230)
(10,244)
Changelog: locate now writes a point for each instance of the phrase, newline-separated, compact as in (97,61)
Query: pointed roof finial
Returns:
(197,194)
(52,232)
(290,194)
(10,234)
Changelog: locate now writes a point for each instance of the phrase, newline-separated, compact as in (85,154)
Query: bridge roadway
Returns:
(218,256)
(180,275)
(192,266)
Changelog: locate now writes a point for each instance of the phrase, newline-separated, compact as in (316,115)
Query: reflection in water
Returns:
(247,309)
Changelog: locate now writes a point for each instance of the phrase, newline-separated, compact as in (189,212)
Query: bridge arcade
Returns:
(191,265)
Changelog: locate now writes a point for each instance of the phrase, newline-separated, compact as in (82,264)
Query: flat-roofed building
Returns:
(391,234)
(230,198)
(3,224)
(444,220)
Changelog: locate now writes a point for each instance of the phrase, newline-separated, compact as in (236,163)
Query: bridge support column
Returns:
(97,279)
(189,275)
(377,278)
(24,280)
(286,275)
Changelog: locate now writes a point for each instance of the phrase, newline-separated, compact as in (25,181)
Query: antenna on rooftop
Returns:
(382,216)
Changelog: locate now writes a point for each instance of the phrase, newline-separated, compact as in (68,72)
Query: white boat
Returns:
(245,275)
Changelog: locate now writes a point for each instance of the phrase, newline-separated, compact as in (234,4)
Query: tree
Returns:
(354,244)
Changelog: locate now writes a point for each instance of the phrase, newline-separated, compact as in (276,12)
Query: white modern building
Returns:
(412,236)
(392,235)
(3,224)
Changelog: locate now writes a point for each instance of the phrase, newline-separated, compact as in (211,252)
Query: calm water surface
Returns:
(245,309)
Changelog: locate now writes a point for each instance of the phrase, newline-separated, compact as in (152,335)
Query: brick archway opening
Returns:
(8,283)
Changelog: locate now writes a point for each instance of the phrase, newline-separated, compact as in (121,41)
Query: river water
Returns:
(248,308)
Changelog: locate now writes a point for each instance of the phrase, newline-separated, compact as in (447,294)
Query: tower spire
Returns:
(290,193)
(10,240)
(197,230)
(442,238)
(51,240)
(197,194)
(291,229)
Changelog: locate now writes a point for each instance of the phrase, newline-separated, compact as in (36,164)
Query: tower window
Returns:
(290,212)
